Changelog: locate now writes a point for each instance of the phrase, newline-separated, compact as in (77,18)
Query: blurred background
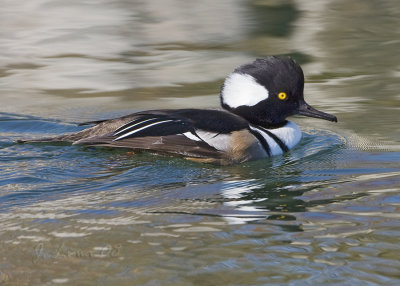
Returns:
(61,57)
(326,213)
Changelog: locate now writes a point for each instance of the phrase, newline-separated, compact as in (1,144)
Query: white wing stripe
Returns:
(140,129)
(191,136)
(130,126)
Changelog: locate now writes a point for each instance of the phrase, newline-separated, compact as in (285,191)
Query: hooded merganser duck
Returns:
(257,98)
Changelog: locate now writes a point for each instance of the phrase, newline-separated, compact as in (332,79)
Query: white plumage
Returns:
(218,141)
(289,134)
(242,90)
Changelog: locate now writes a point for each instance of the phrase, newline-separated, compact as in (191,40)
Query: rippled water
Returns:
(326,213)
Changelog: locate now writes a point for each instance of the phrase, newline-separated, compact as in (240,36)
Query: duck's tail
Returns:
(65,138)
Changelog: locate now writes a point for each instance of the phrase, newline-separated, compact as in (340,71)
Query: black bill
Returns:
(307,110)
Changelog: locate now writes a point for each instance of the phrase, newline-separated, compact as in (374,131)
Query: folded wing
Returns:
(153,125)
(161,131)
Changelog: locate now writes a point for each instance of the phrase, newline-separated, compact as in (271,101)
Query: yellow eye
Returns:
(282,95)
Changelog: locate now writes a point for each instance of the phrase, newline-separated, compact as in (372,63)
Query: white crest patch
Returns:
(242,89)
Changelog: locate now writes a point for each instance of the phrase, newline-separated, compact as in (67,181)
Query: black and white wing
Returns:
(188,132)
(153,125)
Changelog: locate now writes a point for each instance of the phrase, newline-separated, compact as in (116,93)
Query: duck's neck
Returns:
(271,126)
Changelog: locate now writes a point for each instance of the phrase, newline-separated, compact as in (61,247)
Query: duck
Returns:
(256,100)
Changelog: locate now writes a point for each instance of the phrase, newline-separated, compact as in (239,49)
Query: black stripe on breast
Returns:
(262,140)
(276,139)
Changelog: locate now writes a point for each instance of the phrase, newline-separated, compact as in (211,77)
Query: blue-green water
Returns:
(326,213)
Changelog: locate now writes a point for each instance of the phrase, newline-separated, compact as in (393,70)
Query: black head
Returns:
(267,91)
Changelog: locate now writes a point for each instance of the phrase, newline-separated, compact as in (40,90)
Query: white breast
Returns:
(289,134)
